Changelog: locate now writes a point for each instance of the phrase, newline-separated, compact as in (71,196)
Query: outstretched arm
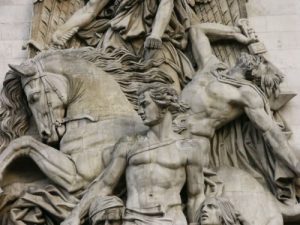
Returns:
(102,186)
(201,47)
(201,34)
(78,20)
(255,109)
(218,31)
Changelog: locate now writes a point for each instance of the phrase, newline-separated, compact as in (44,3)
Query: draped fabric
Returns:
(39,204)
(100,207)
(241,145)
(129,25)
(136,217)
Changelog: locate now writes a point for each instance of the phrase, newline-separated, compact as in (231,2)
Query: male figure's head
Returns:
(218,211)
(155,100)
(260,71)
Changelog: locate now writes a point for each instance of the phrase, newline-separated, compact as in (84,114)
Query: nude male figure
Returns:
(157,166)
(217,95)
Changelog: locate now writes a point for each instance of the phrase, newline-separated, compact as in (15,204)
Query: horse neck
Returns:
(95,93)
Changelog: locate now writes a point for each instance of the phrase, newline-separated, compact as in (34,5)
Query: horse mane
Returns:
(130,72)
(62,52)
(126,68)
(14,111)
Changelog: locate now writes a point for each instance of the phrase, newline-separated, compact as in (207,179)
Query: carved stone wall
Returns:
(278,25)
(276,22)
(15,21)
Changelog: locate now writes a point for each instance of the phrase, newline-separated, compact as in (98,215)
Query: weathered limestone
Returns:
(165,96)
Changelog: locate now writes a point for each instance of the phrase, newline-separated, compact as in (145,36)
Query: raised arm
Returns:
(102,186)
(78,20)
(202,33)
(201,47)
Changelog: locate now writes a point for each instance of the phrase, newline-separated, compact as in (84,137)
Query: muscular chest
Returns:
(165,156)
(209,96)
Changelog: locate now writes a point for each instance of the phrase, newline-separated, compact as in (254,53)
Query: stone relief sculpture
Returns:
(145,112)
(217,95)
(218,211)
(157,165)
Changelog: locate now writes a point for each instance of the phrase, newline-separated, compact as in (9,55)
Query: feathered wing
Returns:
(47,16)
(226,12)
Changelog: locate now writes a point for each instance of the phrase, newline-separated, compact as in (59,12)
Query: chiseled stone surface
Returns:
(15,22)
(277,24)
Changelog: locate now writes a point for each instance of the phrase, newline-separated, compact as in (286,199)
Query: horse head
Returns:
(46,95)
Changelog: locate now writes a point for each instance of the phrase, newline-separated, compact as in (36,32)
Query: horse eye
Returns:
(34,97)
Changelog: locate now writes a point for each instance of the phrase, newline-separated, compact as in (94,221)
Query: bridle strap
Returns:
(53,121)
(67,119)
(57,92)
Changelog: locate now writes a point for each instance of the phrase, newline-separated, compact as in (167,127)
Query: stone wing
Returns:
(47,15)
(227,12)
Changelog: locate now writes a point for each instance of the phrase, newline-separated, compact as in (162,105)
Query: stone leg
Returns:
(55,164)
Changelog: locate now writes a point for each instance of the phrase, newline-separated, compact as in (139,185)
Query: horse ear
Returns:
(24,69)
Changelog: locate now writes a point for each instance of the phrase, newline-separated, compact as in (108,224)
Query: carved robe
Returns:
(130,24)
(239,144)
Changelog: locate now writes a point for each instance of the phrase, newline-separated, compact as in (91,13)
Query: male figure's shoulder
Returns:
(188,144)
(135,138)
(193,149)
(189,147)
(130,143)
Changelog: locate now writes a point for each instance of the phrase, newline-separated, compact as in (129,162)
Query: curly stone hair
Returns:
(164,96)
(14,111)
(229,215)
(268,82)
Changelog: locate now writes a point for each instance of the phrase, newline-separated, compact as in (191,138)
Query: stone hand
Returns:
(60,37)
(248,34)
(152,42)
(246,40)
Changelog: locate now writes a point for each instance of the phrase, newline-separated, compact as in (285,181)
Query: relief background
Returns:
(276,22)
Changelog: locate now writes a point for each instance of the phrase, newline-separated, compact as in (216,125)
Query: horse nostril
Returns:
(45,133)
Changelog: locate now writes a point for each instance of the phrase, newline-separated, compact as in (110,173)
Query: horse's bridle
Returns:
(46,84)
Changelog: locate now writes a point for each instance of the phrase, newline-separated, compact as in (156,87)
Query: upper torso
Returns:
(212,103)
(156,172)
